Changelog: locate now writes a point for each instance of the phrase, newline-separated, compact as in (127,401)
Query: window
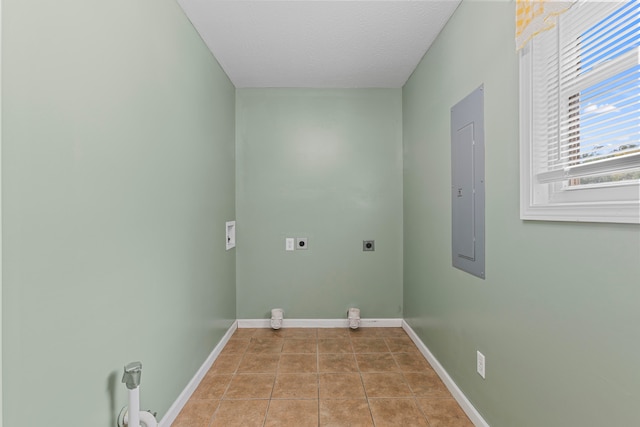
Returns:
(580,116)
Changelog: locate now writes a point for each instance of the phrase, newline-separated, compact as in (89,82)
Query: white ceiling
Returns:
(318,43)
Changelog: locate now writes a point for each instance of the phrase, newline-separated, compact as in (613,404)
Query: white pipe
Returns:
(354,317)
(277,315)
(131,416)
(146,419)
(134,407)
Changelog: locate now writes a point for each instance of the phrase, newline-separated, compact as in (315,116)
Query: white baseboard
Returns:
(320,323)
(177,406)
(457,394)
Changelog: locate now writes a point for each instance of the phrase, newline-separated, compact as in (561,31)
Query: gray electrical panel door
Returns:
(467,184)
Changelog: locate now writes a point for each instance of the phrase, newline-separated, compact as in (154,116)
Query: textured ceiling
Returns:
(318,44)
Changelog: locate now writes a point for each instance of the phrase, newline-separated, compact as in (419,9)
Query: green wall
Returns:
(557,317)
(119,143)
(117,178)
(326,165)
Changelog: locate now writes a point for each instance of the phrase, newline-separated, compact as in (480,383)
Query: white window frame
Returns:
(615,203)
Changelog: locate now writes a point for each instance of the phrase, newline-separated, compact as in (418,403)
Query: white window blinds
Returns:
(586,95)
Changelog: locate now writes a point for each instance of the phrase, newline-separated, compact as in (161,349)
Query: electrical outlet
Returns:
(289,244)
(480,363)
(302,243)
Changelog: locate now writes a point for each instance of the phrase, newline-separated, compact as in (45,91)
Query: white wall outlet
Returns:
(289,243)
(480,363)
(230,234)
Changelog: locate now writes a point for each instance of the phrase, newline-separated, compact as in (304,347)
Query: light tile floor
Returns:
(321,377)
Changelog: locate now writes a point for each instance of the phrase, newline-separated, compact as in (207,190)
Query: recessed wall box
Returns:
(231,234)
(368,245)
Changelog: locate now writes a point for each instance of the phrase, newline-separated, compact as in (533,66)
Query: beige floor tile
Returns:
(301,333)
(376,362)
(320,377)
(331,333)
(244,333)
(196,413)
(265,345)
(345,413)
(341,386)
(240,413)
(391,384)
(269,333)
(292,413)
(396,412)
(367,332)
(393,333)
(337,363)
(369,345)
(298,363)
(295,345)
(335,345)
(444,413)
(412,362)
(226,364)
(400,344)
(259,362)
(296,386)
(426,384)
(250,386)
(236,345)
(212,387)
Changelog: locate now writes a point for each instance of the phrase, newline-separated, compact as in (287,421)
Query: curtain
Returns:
(536,16)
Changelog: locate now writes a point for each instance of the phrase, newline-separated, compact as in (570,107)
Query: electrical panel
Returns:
(467,184)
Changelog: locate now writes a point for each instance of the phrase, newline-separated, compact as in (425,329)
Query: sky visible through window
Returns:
(610,109)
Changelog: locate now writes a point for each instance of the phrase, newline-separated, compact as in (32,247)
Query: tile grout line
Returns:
(366,395)
(318,375)
(233,374)
(273,386)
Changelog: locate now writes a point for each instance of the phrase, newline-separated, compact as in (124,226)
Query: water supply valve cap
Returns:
(132,373)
